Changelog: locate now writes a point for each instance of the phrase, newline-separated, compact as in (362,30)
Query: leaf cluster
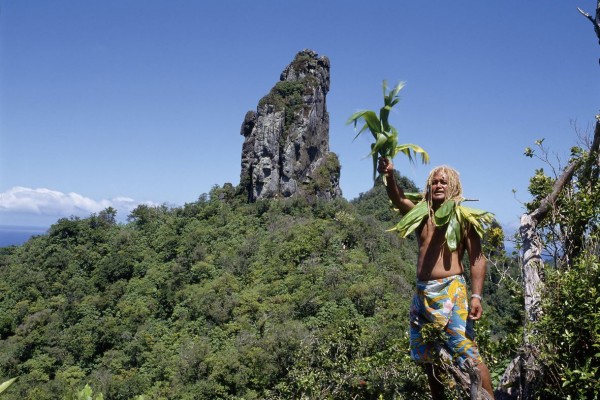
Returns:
(385,135)
(569,333)
(451,214)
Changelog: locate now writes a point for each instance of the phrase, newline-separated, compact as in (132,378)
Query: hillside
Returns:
(215,299)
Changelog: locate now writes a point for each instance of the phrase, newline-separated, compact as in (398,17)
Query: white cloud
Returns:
(49,202)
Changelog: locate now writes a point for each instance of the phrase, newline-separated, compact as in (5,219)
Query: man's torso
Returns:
(435,259)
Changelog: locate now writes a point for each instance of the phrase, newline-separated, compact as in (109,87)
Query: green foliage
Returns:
(321,181)
(569,334)
(88,394)
(575,215)
(372,202)
(499,335)
(218,299)
(287,96)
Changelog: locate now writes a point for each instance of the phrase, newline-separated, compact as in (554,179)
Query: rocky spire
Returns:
(286,140)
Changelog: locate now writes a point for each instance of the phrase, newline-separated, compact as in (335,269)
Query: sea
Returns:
(11,235)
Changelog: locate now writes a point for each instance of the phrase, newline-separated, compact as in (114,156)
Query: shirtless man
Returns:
(441,295)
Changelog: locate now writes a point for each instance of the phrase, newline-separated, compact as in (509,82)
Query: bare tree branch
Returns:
(595,21)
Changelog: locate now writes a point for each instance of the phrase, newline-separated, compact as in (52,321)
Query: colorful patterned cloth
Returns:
(443,302)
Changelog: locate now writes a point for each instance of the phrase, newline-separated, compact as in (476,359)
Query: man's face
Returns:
(439,185)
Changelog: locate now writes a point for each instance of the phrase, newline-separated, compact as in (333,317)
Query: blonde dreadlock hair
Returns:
(453,189)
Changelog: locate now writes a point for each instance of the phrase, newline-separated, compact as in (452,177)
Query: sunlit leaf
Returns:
(379,143)
(453,233)
(412,219)
(442,214)
(414,197)
(373,122)
(6,384)
(410,149)
(374,156)
(397,89)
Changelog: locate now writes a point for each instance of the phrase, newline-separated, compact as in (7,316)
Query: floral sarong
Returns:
(444,303)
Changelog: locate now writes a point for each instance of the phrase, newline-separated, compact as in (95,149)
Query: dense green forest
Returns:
(219,299)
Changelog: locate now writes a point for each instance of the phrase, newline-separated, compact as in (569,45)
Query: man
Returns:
(441,295)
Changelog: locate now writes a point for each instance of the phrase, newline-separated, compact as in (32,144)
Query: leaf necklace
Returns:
(451,214)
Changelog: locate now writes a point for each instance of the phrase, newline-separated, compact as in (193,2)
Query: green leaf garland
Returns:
(451,214)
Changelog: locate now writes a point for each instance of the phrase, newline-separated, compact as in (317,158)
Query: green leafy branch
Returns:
(385,135)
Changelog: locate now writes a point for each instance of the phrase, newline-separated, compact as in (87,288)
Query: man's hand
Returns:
(385,166)
(476,309)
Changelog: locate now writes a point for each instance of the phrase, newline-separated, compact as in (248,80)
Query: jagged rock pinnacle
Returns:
(286,140)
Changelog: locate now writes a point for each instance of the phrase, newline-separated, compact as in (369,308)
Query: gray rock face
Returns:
(286,145)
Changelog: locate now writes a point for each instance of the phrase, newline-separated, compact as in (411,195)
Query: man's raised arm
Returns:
(395,192)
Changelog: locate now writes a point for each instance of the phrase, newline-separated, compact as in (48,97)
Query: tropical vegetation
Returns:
(220,299)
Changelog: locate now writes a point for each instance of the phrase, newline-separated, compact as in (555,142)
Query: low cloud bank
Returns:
(47,202)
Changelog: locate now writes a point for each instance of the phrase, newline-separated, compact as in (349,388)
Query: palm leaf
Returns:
(471,219)
(414,197)
(371,122)
(384,114)
(364,128)
(412,219)
(390,100)
(379,144)
(442,214)
(393,141)
(479,213)
(354,118)
(396,90)
(375,157)
(453,232)
(477,218)
(6,384)
(410,149)
(384,87)
(374,123)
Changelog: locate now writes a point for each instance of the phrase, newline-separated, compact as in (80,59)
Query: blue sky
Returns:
(121,102)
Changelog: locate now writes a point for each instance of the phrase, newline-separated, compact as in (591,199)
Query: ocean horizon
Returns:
(12,235)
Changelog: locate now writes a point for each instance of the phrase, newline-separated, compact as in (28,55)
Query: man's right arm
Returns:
(394,192)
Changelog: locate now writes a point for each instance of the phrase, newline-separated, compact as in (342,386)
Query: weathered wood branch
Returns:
(595,20)
(470,380)
(546,204)
(521,371)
